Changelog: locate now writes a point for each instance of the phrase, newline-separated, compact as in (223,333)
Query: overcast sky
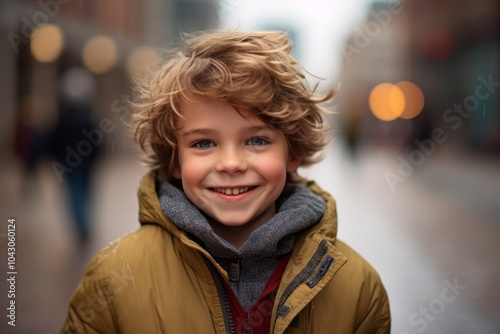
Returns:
(318,27)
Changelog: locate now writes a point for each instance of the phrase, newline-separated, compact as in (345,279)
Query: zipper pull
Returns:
(325,265)
(234,269)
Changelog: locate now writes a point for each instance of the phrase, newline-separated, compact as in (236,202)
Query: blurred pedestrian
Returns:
(77,90)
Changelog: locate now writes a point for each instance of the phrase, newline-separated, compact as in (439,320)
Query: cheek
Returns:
(274,170)
(192,177)
(192,173)
(189,169)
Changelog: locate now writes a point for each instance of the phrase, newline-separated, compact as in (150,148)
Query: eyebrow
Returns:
(197,132)
(205,132)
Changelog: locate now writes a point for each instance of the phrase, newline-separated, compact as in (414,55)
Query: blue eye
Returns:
(257,141)
(203,144)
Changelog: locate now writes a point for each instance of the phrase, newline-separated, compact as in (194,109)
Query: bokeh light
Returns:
(414,99)
(387,101)
(77,85)
(47,43)
(100,54)
(436,45)
(140,58)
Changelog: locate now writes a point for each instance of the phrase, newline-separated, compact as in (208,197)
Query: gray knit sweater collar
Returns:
(297,208)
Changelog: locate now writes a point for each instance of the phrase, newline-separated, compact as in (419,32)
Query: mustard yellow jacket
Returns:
(158,280)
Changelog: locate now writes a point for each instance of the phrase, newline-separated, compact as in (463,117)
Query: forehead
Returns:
(196,110)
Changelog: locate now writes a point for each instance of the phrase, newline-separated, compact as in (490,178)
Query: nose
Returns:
(231,161)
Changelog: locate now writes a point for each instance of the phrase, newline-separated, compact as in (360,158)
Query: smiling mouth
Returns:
(233,191)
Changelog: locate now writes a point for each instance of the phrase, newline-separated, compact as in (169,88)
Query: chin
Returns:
(233,223)
(233,220)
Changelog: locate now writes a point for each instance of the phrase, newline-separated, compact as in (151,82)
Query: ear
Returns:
(177,172)
(175,166)
(293,164)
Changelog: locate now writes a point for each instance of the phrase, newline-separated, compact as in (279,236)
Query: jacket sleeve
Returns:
(90,309)
(376,317)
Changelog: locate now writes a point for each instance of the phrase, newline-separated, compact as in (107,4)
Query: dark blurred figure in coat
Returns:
(74,155)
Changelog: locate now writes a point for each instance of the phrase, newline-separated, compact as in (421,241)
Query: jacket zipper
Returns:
(282,309)
(234,269)
(224,300)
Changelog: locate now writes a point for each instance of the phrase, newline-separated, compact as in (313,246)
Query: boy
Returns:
(232,240)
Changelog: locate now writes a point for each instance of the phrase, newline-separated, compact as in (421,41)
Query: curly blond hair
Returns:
(251,70)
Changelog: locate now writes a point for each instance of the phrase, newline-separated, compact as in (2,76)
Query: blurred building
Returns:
(449,50)
(108,38)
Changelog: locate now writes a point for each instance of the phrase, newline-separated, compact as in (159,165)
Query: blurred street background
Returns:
(414,163)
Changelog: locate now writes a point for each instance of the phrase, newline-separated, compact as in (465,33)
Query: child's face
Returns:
(232,165)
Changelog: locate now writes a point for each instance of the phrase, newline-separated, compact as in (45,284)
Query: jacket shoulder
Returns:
(144,239)
(108,280)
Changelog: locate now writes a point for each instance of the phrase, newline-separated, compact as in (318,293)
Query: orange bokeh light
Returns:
(100,54)
(387,101)
(47,43)
(414,99)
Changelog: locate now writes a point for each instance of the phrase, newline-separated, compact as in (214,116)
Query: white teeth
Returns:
(231,191)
